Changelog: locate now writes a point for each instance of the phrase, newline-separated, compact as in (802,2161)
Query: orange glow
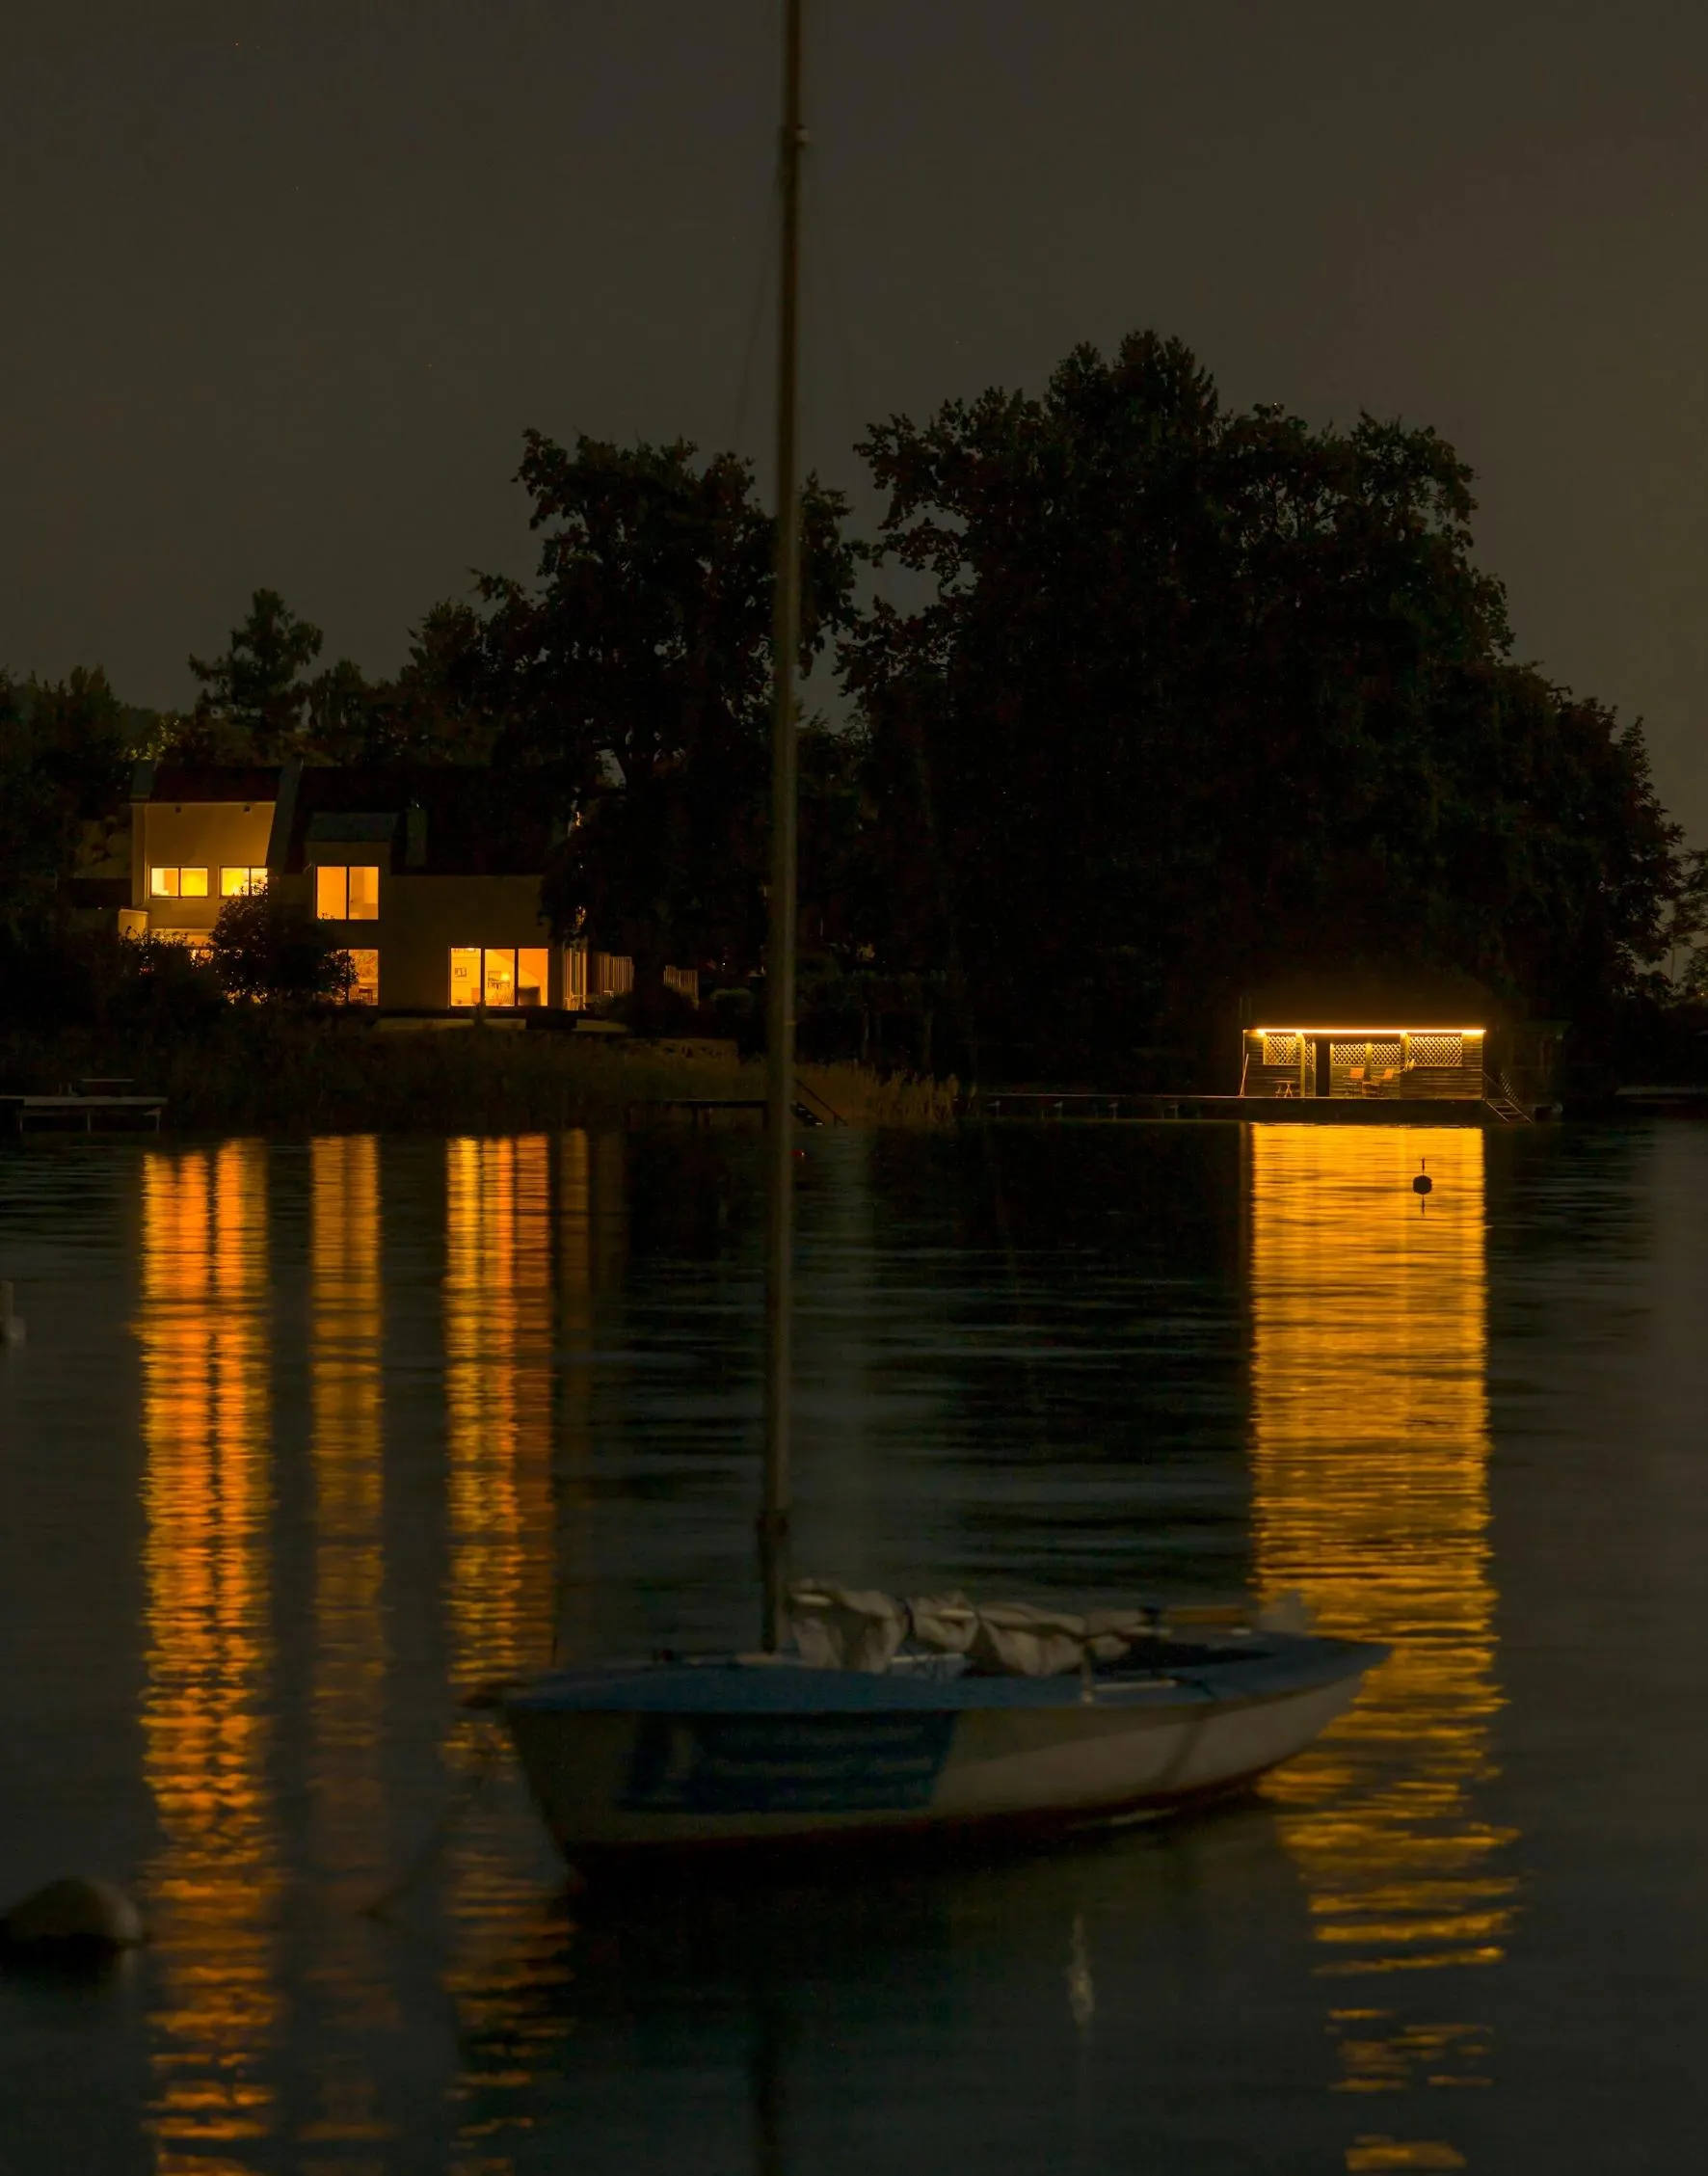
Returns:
(348,1829)
(1370,1449)
(498,1333)
(202,1330)
(1364,1031)
(497,1300)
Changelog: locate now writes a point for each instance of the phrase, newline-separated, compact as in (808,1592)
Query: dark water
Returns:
(308,1438)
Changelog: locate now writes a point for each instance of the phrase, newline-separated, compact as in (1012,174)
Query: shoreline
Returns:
(289,1074)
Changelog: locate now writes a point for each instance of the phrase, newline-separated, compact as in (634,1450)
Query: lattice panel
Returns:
(1281,1050)
(1363,1069)
(1437,1050)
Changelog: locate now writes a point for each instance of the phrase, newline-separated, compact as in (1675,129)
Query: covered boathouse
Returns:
(1396,1064)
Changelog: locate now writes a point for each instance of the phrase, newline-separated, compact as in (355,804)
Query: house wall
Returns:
(211,835)
(422,916)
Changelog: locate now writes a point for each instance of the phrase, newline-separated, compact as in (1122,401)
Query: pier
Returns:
(81,1113)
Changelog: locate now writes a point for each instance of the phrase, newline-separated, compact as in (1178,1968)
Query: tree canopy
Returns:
(1167,702)
(633,679)
(66,750)
(1197,695)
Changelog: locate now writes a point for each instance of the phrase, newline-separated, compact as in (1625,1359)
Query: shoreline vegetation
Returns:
(289,1073)
(1184,706)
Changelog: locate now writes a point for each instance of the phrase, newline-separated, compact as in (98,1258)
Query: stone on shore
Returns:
(77,1912)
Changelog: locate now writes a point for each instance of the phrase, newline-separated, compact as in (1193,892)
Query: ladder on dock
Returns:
(1498,1094)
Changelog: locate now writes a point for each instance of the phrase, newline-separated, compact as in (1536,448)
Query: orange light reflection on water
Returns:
(501,1599)
(347,1812)
(1370,1449)
(202,1331)
(497,1335)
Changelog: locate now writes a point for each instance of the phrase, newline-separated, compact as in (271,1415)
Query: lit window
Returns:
(365,989)
(347,895)
(498,975)
(498,983)
(241,884)
(178,883)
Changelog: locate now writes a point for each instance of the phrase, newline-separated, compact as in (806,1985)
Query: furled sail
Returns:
(839,1627)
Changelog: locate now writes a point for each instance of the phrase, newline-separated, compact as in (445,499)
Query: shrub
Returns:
(262,949)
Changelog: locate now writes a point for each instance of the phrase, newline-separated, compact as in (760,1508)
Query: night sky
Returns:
(285,283)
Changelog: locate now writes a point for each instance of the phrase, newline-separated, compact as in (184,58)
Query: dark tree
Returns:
(440,709)
(634,680)
(65,752)
(253,695)
(265,949)
(259,704)
(1195,697)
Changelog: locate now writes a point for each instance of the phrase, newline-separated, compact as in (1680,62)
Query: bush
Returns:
(264,949)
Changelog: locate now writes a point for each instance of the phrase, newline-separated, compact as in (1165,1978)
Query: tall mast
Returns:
(779,954)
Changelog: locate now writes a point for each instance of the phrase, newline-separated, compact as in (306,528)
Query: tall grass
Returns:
(250,1070)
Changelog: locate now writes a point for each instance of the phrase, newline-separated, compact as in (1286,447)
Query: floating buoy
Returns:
(1423,1183)
(77,1912)
(12,1327)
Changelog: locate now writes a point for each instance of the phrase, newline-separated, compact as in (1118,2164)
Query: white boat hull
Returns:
(699,1766)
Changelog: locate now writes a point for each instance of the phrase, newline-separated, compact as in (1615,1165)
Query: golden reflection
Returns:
(203,1336)
(347,1805)
(1370,1449)
(589,1178)
(497,1331)
(501,1600)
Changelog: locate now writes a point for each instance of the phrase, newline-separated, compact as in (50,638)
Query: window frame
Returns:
(353,910)
(177,873)
(515,954)
(254,881)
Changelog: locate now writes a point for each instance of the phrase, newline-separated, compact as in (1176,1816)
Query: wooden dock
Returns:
(81,1113)
(1043,1106)
(704,1108)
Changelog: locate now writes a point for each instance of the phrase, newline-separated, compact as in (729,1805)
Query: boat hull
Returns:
(726,1759)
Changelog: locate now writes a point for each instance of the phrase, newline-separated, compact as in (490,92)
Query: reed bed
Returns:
(268,1072)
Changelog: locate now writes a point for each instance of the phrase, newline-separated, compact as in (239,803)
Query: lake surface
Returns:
(310,1439)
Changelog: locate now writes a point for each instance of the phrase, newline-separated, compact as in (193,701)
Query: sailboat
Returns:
(861,1718)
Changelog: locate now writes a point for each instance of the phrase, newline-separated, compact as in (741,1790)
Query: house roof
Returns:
(441,819)
(444,819)
(247,783)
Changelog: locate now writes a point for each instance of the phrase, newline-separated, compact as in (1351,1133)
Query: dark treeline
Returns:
(1177,704)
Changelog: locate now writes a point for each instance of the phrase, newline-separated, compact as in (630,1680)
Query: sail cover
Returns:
(853,1628)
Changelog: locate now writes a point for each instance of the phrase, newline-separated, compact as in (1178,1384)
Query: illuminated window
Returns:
(498,975)
(365,989)
(347,895)
(241,884)
(498,983)
(178,883)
